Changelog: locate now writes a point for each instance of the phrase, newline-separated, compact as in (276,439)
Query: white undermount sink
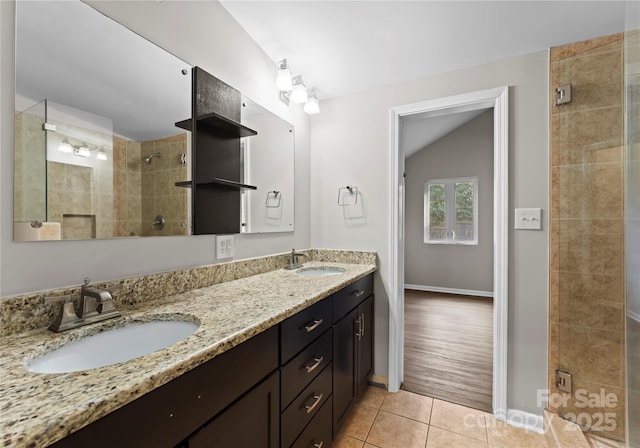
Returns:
(113,346)
(320,271)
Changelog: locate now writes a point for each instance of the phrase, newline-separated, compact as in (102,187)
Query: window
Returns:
(451,211)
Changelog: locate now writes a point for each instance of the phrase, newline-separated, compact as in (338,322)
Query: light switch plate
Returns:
(528,218)
(225,246)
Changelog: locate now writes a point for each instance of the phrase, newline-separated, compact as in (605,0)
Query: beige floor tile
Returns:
(345,441)
(459,419)
(501,435)
(408,404)
(393,431)
(439,438)
(374,396)
(359,421)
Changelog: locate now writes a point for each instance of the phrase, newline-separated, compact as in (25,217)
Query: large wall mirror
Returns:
(96,148)
(268,163)
(97,152)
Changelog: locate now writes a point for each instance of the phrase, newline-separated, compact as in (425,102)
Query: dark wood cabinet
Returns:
(252,421)
(289,386)
(352,347)
(215,155)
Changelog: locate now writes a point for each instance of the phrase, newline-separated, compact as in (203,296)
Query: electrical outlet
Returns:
(225,246)
(528,218)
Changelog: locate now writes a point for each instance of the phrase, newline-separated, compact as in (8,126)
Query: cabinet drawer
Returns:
(307,365)
(350,296)
(301,329)
(305,406)
(318,433)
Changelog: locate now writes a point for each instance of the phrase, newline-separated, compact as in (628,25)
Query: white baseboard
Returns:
(464,292)
(525,420)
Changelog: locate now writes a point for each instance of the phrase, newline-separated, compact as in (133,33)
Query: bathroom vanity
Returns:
(269,366)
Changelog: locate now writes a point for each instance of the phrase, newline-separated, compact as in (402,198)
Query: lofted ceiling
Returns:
(341,47)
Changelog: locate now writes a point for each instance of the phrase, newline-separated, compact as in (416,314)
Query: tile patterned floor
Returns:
(408,420)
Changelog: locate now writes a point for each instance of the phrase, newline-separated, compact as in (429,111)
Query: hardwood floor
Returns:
(448,347)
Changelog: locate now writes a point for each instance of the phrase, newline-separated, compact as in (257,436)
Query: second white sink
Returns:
(320,271)
(113,346)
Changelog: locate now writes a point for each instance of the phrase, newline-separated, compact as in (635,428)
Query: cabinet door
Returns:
(344,368)
(365,344)
(252,421)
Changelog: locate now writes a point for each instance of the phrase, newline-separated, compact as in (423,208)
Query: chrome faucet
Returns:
(294,262)
(95,305)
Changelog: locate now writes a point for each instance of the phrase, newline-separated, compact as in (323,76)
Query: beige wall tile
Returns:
(592,45)
(589,354)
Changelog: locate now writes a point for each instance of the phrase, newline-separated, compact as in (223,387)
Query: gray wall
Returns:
(465,152)
(200,33)
(350,146)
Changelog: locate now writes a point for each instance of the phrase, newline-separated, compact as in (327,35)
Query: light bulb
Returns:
(299,94)
(102,155)
(82,151)
(65,146)
(283,81)
(312,106)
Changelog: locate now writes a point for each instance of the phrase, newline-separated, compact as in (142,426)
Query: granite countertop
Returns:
(40,409)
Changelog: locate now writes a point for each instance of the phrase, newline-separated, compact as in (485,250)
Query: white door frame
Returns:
(498,99)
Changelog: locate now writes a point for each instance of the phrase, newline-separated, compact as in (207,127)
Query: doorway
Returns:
(449,257)
(498,100)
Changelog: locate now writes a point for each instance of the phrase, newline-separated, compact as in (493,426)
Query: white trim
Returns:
(463,292)
(498,99)
(525,420)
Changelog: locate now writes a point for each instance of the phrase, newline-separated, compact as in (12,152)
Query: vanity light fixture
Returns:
(102,155)
(312,106)
(65,146)
(299,93)
(283,81)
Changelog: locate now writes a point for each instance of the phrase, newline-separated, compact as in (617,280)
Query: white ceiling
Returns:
(419,131)
(342,47)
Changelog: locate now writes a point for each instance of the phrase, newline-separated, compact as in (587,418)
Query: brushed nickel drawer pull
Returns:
(314,325)
(357,292)
(318,399)
(314,366)
(362,323)
(318,445)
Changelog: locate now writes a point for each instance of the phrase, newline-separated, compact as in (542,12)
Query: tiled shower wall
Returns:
(160,196)
(587,234)
(143,191)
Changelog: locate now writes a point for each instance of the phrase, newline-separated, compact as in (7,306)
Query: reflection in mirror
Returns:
(268,163)
(96,149)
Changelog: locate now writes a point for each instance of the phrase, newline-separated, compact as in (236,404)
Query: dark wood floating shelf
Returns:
(219,123)
(216,181)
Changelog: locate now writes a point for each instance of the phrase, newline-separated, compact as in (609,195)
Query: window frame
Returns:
(450,211)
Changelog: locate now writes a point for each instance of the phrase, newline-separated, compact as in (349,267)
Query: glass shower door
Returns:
(30,165)
(587,236)
(632,224)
